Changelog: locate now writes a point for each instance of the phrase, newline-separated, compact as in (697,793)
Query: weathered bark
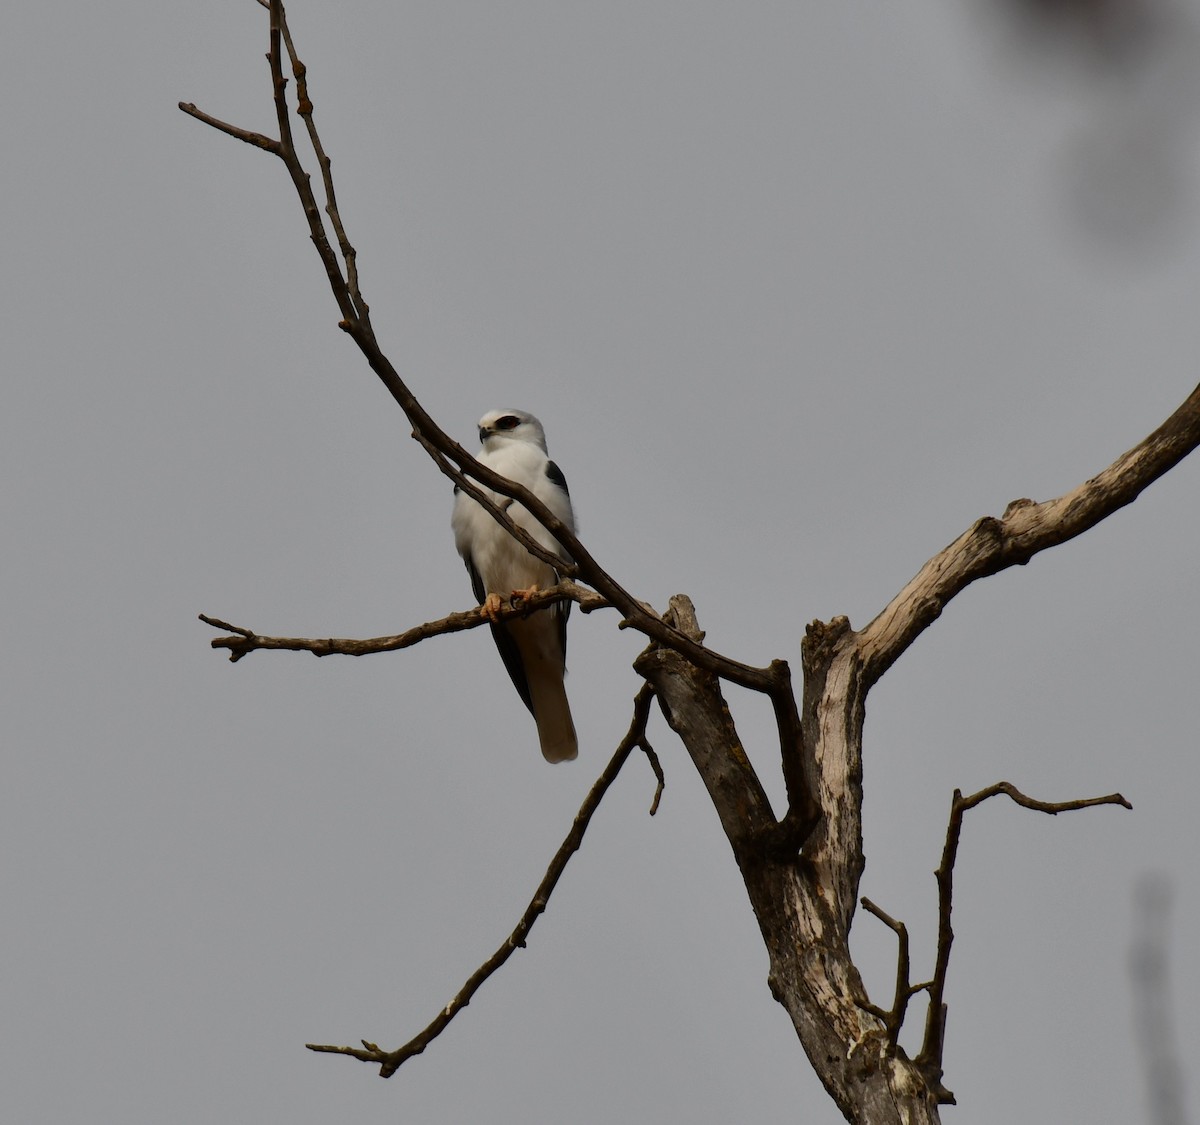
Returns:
(804,902)
(805,899)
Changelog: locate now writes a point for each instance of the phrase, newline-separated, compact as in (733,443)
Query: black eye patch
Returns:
(508,422)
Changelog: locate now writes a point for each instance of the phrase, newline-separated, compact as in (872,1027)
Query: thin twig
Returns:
(1153,1000)
(930,1055)
(258,140)
(656,766)
(390,1061)
(304,107)
(300,178)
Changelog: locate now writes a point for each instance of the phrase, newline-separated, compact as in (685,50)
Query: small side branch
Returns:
(258,140)
(1149,969)
(935,1024)
(390,1061)
(659,776)
(893,1020)
(242,641)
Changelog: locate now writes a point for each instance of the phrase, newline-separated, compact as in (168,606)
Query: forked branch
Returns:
(390,1061)
(935,1025)
(893,1019)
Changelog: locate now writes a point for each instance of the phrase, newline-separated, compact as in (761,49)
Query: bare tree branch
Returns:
(893,1020)
(300,178)
(244,641)
(499,512)
(304,108)
(935,1025)
(771,681)
(267,144)
(390,1061)
(992,545)
(655,765)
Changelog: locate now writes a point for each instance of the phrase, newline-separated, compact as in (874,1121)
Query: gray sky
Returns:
(799,291)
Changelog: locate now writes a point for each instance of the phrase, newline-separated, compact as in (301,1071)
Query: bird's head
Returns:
(510,425)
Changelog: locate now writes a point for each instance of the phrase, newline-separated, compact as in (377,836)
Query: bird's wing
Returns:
(561,502)
(555,476)
(505,645)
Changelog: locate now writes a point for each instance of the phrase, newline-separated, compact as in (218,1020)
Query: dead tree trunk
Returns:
(804,900)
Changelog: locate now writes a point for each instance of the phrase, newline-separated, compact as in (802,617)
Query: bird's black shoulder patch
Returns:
(476,582)
(555,475)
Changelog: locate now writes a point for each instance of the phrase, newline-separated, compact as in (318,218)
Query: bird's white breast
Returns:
(502,563)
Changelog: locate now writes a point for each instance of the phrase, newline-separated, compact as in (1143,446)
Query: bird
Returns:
(534,648)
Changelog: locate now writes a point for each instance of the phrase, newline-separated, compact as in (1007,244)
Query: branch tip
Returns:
(390,1061)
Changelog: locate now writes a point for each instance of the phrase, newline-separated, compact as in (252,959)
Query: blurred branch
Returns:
(1149,971)
(390,1061)
(935,1024)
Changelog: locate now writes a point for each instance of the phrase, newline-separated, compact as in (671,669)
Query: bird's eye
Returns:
(508,422)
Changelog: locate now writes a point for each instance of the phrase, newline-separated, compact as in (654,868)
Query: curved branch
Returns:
(992,545)
(391,1061)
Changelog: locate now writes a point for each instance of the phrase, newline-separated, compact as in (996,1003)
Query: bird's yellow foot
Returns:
(491,608)
(519,596)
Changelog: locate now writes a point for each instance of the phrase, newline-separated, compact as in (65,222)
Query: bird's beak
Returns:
(484,434)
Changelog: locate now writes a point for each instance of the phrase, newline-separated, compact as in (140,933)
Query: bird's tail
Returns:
(556,730)
(544,671)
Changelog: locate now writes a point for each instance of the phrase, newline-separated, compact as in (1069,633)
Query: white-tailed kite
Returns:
(534,648)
